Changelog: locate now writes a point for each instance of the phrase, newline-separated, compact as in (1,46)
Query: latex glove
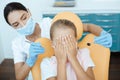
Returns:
(34,50)
(105,39)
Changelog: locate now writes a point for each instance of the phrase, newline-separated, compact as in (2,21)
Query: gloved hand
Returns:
(105,39)
(34,50)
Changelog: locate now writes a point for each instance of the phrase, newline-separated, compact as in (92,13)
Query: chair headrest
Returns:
(73,18)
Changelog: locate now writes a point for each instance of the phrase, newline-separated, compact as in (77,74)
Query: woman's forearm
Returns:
(92,28)
(21,70)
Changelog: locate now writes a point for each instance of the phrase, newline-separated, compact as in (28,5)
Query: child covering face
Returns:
(69,63)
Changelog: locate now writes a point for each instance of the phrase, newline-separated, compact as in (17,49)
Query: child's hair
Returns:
(62,23)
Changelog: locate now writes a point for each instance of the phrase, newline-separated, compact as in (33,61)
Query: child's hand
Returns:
(60,51)
(70,47)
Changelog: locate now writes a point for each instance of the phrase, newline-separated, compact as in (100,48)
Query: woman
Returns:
(25,51)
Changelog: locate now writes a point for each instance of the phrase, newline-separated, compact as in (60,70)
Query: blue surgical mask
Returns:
(28,28)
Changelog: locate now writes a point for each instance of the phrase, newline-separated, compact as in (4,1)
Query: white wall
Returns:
(1,51)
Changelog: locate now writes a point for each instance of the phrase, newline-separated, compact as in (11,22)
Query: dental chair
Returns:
(100,55)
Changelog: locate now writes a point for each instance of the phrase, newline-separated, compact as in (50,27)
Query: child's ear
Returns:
(52,44)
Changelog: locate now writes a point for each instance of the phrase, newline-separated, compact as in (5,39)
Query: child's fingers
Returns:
(67,44)
(69,41)
(60,44)
(73,41)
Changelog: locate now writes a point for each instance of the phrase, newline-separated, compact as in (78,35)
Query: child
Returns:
(69,63)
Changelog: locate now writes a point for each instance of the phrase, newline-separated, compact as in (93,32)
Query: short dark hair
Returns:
(62,23)
(11,7)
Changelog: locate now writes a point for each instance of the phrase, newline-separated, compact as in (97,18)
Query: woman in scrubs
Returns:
(25,51)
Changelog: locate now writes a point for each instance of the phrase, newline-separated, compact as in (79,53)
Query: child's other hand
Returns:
(60,51)
(70,47)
